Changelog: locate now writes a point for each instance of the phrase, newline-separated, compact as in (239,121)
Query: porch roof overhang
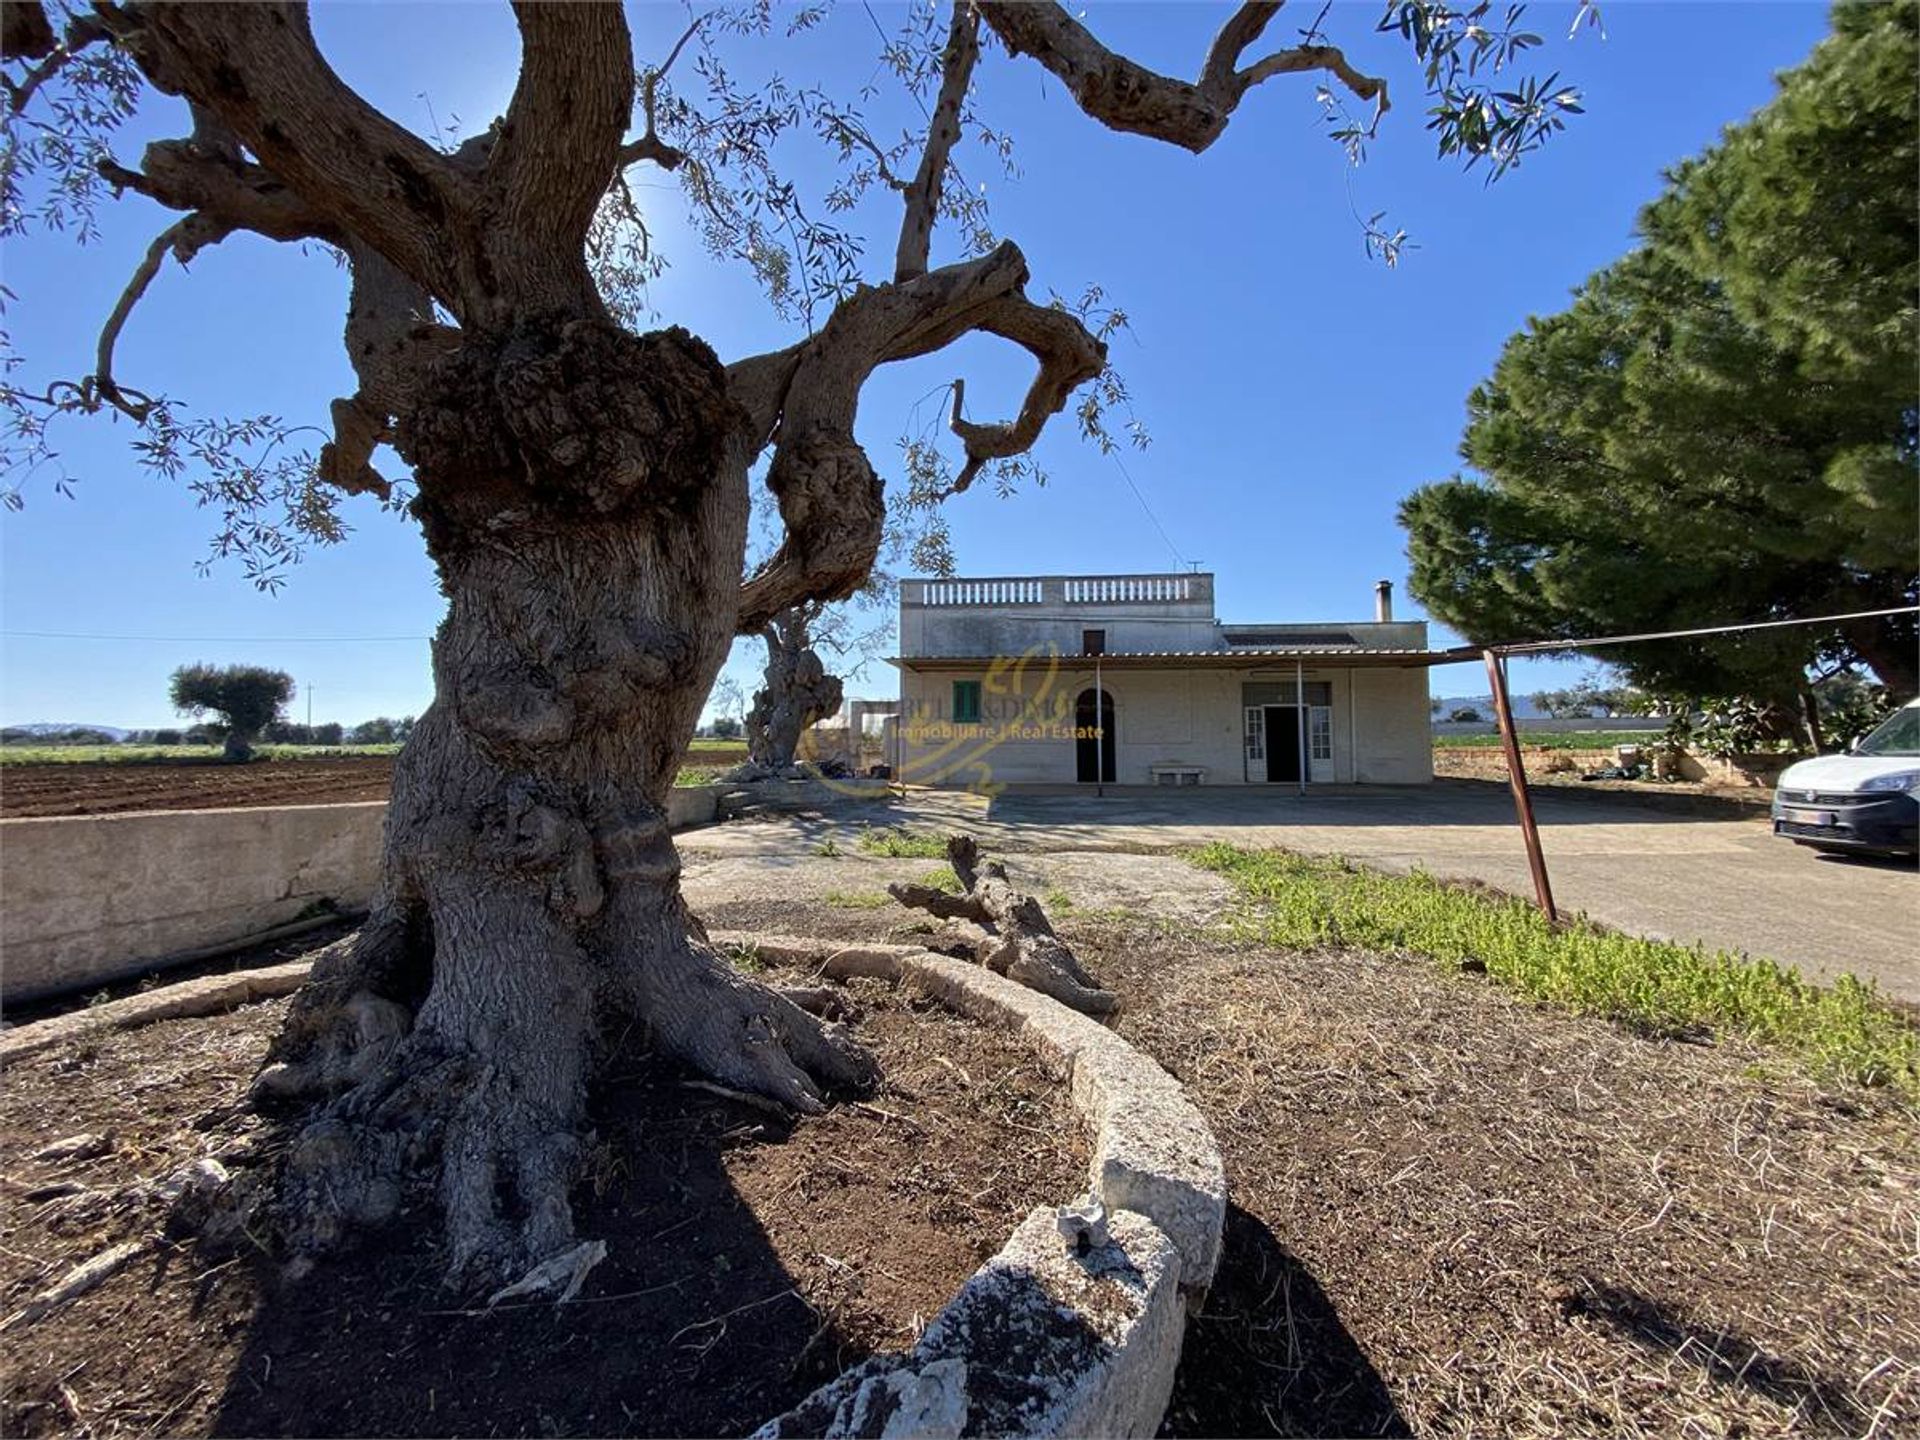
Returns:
(1349,657)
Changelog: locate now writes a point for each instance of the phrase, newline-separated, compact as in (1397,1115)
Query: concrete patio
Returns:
(1724,882)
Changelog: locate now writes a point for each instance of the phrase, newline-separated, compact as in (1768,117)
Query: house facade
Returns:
(1133,680)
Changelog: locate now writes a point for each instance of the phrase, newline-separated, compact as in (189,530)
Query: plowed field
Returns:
(101,789)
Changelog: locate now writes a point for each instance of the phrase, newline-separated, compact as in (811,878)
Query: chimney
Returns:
(1383,601)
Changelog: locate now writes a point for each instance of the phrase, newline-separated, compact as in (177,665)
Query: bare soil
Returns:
(1457,1213)
(1699,797)
(89,788)
(750,1258)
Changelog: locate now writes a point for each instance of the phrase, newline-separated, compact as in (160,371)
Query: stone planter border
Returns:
(1046,1340)
(1052,1337)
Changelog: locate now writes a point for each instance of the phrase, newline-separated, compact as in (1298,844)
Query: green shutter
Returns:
(966,702)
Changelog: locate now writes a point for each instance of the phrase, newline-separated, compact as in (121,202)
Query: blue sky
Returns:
(1295,390)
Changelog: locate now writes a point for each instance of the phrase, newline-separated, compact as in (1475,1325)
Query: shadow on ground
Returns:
(691,1326)
(1825,1406)
(1268,1354)
(1443,802)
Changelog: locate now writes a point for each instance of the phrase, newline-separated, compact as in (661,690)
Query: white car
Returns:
(1865,800)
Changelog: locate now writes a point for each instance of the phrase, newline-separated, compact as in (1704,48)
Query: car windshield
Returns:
(1898,734)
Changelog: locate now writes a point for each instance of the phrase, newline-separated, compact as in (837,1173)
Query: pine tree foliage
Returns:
(1722,426)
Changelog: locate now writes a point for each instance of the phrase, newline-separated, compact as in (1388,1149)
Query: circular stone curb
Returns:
(209,995)
(1050,1337)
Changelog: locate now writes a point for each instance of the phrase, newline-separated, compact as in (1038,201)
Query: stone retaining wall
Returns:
(1487,762)
(90,898)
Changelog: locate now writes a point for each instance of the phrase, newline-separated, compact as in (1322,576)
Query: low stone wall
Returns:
(95,897)
(89,898)
(1049,1338)
(1487,762)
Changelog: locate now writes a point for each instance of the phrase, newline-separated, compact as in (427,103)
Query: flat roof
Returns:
(1322,656)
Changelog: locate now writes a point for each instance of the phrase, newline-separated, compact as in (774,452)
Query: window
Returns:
(1320,732)
(1093,642)
(966,702)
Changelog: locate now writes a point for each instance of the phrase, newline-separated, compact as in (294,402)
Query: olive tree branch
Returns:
(82,31)
(831,502)
(258,69)
(1124,95)
(391,338)
(957,60)
(1069,355)
(650,146)
(185,238)
(557,147)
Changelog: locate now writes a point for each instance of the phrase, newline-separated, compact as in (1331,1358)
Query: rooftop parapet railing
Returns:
(1102,590)
(1136,589)
(976,592)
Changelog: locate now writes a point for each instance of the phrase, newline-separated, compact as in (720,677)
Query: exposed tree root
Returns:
(86,1276)
(486,1102)
(1019,941)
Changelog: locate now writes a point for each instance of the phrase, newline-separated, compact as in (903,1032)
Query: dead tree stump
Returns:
(1019,941)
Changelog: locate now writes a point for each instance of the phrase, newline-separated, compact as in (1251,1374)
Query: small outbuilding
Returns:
(1133,680)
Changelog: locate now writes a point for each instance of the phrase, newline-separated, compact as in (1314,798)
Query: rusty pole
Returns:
(1517,777)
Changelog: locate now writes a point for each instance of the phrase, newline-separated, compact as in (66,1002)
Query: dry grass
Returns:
(1457,1213)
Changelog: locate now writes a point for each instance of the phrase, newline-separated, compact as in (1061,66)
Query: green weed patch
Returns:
(898,844)
(1553,740)
(1652,986)
(856,899)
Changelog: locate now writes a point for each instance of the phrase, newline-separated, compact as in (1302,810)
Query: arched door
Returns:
(1094,736)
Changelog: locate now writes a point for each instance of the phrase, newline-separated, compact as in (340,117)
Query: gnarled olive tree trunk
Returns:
(798,692)
(587,513)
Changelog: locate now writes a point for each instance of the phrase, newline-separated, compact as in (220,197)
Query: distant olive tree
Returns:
(1588,698)
(381,730)
(247,698)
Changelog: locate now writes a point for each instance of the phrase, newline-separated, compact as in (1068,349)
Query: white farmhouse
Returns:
(1132,680)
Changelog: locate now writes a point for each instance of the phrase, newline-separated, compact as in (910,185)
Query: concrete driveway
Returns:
(1727,883)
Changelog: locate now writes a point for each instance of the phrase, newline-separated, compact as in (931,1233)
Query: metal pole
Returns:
(1517,777)
(1099,732)
(1300,716)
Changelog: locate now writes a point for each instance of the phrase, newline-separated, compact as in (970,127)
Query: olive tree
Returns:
(797,692)
(583,491)
(247,698)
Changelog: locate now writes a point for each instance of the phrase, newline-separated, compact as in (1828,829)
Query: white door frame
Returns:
(1253,743)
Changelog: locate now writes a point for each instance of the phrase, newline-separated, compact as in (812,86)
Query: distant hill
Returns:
(54,727)
(1523,708)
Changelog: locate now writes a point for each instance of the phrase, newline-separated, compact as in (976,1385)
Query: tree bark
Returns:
(586,508)
(1889,647)
(798,692)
